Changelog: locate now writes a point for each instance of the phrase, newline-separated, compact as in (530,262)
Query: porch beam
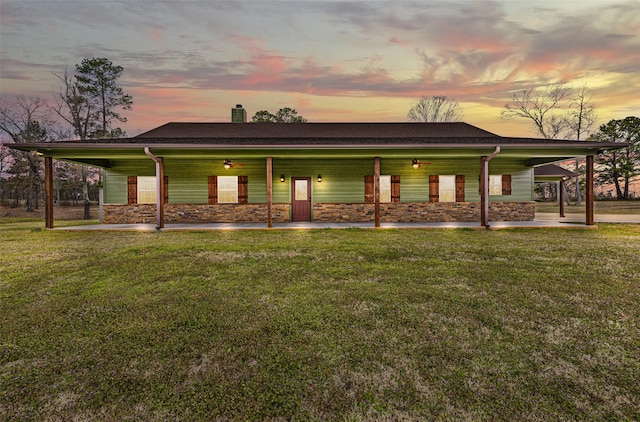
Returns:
(269,192)
(376,190)
(48,192)
(589,218)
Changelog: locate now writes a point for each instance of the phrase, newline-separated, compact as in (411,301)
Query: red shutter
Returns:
(165,191)
(434,188)
(132,190)
(506,184)
(460,188)
(213,190)
(395,188)
(243,189)
(368,189)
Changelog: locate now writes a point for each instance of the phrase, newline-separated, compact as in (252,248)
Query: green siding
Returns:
(342,179)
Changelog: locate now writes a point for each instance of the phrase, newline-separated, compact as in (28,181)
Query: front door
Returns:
(301,199)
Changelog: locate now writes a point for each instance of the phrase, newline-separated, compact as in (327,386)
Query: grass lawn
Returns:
(601,207)
(340,325)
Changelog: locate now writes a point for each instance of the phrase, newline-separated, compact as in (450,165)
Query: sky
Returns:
(332,61)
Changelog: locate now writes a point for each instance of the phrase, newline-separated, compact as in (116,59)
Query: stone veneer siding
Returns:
(426,212)
(400,212)
(194,213)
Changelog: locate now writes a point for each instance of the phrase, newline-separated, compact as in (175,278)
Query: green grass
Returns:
(600,207)
(320,325)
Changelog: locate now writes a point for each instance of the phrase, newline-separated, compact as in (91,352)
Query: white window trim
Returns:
(441,188)
(224,190)
(385,188)
(147,189)
(495,184)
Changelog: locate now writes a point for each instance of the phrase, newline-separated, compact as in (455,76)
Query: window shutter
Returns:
(165,191)
(243,189)
(434,188)
(395,188)
(368,189)
(506,184)
(213,190)
(460,188)
(132,190)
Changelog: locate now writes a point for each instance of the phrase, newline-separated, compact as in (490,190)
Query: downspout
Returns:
(159,188)
(484,183)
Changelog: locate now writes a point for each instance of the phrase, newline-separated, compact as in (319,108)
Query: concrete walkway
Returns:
(572,221)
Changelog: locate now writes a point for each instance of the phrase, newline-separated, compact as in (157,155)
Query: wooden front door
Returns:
(301,199)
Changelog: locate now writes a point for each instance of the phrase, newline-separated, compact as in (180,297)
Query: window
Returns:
(147,190)
(385,188)
(447,189)
(228,189)
(389,189)
(495,184)
(499,184)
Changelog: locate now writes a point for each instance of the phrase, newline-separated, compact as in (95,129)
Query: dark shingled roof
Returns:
(552,170)
(314,131)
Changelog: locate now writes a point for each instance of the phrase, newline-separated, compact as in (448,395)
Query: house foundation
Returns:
(402,212)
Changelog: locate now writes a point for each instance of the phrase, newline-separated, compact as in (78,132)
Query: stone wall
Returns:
(194,213)
(401,212)
(415,212)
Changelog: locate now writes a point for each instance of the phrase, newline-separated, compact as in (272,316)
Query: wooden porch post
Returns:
(48,192)
(561,197)
(160,193)
(376,190)
(589,218)
(484,191)
(269,192)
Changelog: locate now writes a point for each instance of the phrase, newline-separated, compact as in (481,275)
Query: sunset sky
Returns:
(331,61)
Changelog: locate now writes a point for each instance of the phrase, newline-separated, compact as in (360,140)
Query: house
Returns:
(337,172)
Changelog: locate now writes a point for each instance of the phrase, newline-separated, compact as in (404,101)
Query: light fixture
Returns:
(228,164)
(415,163)
(319,178)
(282,178)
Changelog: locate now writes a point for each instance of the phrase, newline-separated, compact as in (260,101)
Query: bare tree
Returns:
(541,107)
(437,108)
(582,117)
(25,120)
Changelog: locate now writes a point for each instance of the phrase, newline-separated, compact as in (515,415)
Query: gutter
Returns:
(484,197)
(159,188)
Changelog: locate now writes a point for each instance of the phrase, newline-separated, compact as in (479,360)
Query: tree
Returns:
(582,116)
(541,107)
(436,108)
(89,102)
(25,121)
(284,115)
(619,166)
(97,82)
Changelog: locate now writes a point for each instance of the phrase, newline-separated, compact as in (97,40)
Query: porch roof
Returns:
(316,140)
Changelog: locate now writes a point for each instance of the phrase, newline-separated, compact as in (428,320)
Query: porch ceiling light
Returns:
(417,163)
(319,179)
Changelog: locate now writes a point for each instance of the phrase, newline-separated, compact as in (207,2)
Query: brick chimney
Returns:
(238,114)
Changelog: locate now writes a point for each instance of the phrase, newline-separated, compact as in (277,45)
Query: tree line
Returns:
(89,102)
